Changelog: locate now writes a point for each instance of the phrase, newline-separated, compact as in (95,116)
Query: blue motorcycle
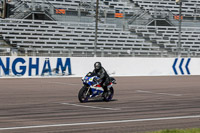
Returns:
(92,89)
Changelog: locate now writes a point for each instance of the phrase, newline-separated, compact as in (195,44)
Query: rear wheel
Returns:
(108,95)
(82,95)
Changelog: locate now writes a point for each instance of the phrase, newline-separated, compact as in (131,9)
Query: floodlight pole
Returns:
(96,28)
(180,22)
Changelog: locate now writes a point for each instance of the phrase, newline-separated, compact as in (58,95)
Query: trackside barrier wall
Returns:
(79,66)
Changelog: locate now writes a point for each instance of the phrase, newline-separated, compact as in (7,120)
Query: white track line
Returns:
(168,94)
(89,106)
(102,122)
(63,83)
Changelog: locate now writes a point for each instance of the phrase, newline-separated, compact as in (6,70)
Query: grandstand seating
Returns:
(189,7)
(62,36)
(167,37)
(115,36)
(74,5)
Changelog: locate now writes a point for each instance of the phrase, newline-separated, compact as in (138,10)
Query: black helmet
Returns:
(97,65)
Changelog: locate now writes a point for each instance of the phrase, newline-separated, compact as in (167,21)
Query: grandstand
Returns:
(127,28)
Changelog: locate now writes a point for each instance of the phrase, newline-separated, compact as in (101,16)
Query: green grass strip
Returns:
(194,130)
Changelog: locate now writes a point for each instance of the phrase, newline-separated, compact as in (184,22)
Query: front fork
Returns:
(87,91)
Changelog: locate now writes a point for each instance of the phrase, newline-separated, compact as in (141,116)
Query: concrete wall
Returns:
(79,66)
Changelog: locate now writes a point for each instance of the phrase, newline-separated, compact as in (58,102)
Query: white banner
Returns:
(79,66)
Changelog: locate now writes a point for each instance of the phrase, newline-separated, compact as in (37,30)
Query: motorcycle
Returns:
(92,89)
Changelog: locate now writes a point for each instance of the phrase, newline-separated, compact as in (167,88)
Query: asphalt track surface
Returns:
(140,104)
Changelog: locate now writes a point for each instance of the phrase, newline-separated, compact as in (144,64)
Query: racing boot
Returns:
(105,90)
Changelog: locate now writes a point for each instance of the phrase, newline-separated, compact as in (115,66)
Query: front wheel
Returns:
(82,95)
(108,95)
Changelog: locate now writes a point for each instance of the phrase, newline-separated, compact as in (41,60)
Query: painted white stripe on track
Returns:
(63,83)
(102,122)
(94,107)
(168,94)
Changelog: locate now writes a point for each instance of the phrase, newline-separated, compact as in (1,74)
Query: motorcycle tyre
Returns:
(82,92)
(107,97)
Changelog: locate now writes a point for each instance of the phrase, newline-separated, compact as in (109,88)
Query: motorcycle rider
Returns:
(100,72)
